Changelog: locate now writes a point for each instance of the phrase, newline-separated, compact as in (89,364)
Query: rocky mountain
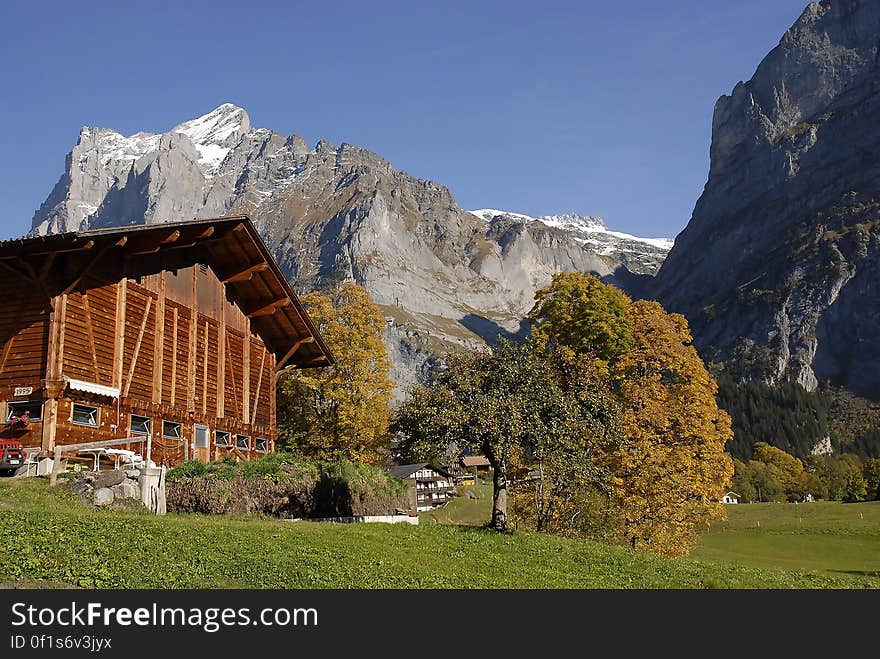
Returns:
(445,277)
(778,268)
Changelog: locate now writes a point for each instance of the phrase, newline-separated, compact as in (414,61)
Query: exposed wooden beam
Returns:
(119,339)
(6,349)
(137,348)
(292,351)
(171,237)
(84,270)
(14,271)
(91,335)
(269,309)
(259,384)
(37,279)
(175,357)
(163,246)
(219,239)
(205,369)
(191,348)
(147,250)
(47,265)
(222,353)
(247,273)
(89,244)
(159,341)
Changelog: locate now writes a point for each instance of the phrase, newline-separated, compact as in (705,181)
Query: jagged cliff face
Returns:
(778,268)
(446,278)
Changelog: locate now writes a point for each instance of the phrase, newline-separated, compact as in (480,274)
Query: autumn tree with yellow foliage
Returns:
(341,411)
(670,469)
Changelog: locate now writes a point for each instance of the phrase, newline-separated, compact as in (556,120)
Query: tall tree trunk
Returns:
(499,497)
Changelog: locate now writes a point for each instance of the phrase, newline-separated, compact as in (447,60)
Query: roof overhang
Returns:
(231,246)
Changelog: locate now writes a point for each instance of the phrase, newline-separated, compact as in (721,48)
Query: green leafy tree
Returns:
(582,314)
(561,470)
(670,470)
(785,469)
(872,479)
(856,488)
(341,411)
(524,412)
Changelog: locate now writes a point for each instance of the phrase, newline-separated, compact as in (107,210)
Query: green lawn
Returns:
(830,537)
(49,539)
(461,510)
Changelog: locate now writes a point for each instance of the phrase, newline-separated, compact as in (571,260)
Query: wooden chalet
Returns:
(171,331)
(433,485)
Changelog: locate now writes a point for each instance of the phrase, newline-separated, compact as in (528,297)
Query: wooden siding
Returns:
(24,340)
(171,362)
(24,333)
(89,335)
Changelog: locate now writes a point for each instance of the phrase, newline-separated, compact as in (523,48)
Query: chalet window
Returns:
(200,436)
(33,408)
(141,425)
(242,442)
(261,445)
(85,415)
(221,438)
(171,430)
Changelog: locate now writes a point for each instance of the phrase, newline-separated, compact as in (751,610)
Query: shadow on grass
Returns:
(860,573)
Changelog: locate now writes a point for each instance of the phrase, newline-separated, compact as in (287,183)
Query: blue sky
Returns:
(601,108)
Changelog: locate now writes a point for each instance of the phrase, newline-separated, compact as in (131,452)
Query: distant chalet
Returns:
(172,330)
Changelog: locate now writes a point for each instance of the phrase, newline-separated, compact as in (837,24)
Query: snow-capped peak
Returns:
(590,229)
(574,222)
(486,214)
(114,146)
(215,133)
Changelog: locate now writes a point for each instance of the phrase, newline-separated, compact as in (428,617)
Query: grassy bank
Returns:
(830,537)
(47,536)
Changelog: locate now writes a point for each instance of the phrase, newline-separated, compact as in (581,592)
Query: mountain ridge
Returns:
(445,278)
(776,268)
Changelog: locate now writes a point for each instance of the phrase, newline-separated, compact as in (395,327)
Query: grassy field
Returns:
(830,537)
(48,538)
(461,510)
(824,536)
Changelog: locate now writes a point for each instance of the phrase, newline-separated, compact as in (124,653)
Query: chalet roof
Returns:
(405,471)
(475,461)
(231,246)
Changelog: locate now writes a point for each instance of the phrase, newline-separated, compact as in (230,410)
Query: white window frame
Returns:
(95,411)
(264,442)
(228,438)
(11,403)
(247,446)
(179,429)
(207,430)
(149,420)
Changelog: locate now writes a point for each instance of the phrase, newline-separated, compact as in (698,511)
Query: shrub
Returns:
(284,485)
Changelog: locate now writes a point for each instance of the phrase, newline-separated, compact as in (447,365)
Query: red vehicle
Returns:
(11,455)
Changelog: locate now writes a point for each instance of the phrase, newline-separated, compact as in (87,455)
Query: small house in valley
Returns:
(169,336)
(471,466)
(730,497)
(433,485)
